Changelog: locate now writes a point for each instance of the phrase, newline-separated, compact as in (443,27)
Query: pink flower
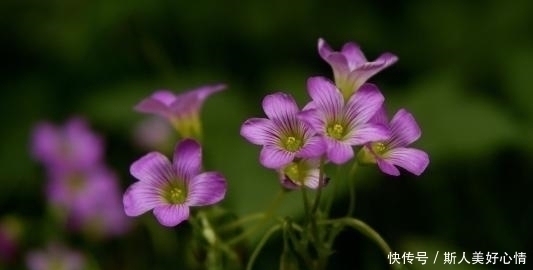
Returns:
(393,150)
(350,67)
(171,188)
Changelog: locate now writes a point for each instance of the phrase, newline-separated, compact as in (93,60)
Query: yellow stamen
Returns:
(292,144)
(379,148)
(336,131)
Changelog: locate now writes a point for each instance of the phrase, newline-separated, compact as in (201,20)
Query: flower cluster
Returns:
(344,121)
(81,188)
(170,188)
(56,256)
(341,115)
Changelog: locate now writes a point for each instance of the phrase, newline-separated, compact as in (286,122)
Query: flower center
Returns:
(76,182)
(292,144)
(379,148)
(292,171)
(336,131)
(175,194)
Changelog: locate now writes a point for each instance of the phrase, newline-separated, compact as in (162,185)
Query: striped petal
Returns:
(279,106)
(404,129)
(326,97)
(206,189)
(274,157)
(172,214)
(413,160)
(153,168)
(187,160)
(140,198)
(259,131)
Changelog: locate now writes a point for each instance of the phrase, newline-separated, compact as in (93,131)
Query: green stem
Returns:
(201,224)
(331,198)
(305,198)
(270,211)
(320,186)
(351,189)
(364,229)
(241,221)
(260,245)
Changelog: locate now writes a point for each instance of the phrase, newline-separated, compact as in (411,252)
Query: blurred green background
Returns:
(465,72)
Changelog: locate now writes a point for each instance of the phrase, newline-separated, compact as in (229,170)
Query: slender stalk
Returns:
(270,211)
(364,229)
(241,221)
(331,198)
(305,198)
(260,245)
(320,187)
(351,189)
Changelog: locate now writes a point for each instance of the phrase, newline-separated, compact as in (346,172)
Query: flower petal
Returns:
(380,117)
(206,188)
(336,60)
(85,147)
(164,96)
(314,118)
(259,131)
(207,90)
(315,146)
(387,167)
(353,54)
(153,168)
(411,159)
(324,50)
(365,71)
(158,103)
(279,106)
(274,157)
(286,182)
(140,198)
(187,160)
(311,179)
(192,100)
(339,152)
(45,142)
(404,129)
(326,96)
(367,133)
(172,214)
(364,104)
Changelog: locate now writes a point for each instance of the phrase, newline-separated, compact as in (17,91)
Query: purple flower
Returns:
(73,145)
(393,151)
(55,257)
(350,67)
(343,125)
(89,200)
(80,186)
(283,136)
(182,110)
(171,188)
(302,172)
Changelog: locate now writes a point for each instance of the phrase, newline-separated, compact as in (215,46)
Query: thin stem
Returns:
(260,245)
(351,189)
(331,198)
(270,211)
(364,229)
(241,221)
(309,216)
(306,202)
(320,187)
